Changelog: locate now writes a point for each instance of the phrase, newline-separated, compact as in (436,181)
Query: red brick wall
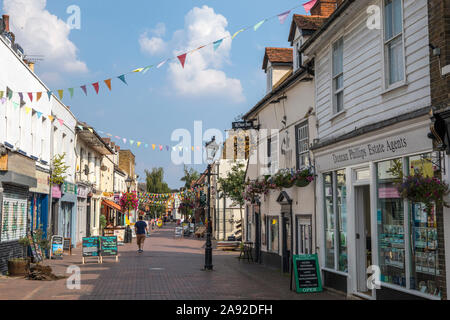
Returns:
(324,8)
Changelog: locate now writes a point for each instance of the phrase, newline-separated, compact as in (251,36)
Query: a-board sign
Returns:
(57,246)
(120,234)
(108,246)
(35,250)
(67,245)
(307,273)
(90,247)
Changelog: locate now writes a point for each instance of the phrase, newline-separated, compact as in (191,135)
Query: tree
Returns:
(190,176)
(155,181)
(59,169)
(233,185)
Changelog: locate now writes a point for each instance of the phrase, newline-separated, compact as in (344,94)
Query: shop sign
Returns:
(43,185)
(391,146)
(70,188)
(307,273)
(82,192)
(56,192)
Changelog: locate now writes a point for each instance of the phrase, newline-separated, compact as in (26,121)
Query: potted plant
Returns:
(283,179)
(303,177)
(20,266)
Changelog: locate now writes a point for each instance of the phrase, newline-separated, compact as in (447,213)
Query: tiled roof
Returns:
(305,23)
(277,55)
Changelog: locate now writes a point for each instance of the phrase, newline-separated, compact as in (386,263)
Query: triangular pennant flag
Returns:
(146,145)
(51,118)
(282,16)
(259,24)
(122,77)
(174,148)
(182,58)
(27,110)
(84,89)
(117,137)
(138,143)
(108,83)
(30,95)
(38,96)
(160,147)
(124,140)
(161,64)
(15,104)
(109,134)
(9,93)
(96,86)
(138,70)
(60,93)
(3,100)
(146,69)
(217,44)
(131,142)
(49,93)
(236,33)
(21,96)
(91,130)
(39,114)
(167,148)
(1,94)
(81,127)
(309,5)
(61,121)
(71,92)
(153,146)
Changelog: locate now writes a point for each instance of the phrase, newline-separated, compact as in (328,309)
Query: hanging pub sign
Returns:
(307,273)
(91,248)
(57,247)
(108,247)
(243,125)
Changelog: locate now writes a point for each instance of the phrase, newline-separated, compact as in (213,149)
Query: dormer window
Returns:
(297,54)
(269,79)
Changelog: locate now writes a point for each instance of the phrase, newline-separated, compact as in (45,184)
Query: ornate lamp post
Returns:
(128,182)
(211,150)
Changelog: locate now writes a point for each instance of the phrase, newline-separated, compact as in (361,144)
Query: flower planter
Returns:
(287,184)
(18,267)
(302,183)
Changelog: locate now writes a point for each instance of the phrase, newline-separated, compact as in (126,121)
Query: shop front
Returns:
(67,217)
(364,222)
(38,203)
(82,207)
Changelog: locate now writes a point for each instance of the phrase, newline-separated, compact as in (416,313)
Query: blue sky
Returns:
(153,105)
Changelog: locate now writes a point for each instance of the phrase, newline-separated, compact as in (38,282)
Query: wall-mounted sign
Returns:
(243,125)
(69,188)
(307,273)
(56,192)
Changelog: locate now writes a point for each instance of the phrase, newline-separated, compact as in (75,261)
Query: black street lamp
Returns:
(211,150)
(128,181)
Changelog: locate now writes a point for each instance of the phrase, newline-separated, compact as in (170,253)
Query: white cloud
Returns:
(159,30)
(201,75)
(154,45)
(41,33)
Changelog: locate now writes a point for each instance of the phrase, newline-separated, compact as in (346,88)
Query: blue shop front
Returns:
(38,202)
(67,219)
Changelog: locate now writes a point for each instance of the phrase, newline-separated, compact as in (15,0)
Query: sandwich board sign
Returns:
(108,247)
(307,273)
(91,248)
(57,246)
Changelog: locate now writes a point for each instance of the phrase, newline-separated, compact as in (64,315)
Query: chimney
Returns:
(324,7)
(6,22)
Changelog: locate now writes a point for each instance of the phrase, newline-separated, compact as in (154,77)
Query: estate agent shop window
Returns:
(272,234)
(407,232)
(335,220)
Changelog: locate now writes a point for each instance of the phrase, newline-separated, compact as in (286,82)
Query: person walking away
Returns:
(140,228)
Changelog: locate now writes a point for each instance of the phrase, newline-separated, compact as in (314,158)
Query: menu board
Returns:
(108,246)
(90,247)
(307,273)
(57,246)
(120,234)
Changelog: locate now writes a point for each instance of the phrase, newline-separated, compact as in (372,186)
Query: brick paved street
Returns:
(169,268)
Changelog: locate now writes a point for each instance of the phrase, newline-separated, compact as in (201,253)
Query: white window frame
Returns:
(334,77)
(385,57)
(298,59)
(272,163)
(269,78)
(304,153)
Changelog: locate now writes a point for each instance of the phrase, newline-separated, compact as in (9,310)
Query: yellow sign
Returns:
(274,221)
(159,223)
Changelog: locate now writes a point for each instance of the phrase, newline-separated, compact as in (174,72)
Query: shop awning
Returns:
(112,205)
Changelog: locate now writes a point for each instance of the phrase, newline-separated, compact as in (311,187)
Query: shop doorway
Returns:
(257,237)
(88,217)
(286,236)
(363,237)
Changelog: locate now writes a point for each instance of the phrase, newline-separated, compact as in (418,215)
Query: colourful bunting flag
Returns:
(122,77)
(131,142)
(38,96)
(3,100)
(1,94)
(182,59)
(146,145)
(96,86)
(153,146)
(71,92)
(51,118)
(236,33)
(9,93)
(84,89)
(81,127)
(259,24)
(109,134)
(108,83)
(217,44)
(124,140)
(27,110)
(60,93)
(146,69)
(15,104)
(30,95)
(161,64)
(282,16)
(61,121)
(138,70)
(138,143)
(167,148)
(160,147)
(21,96)
(39,114)
(309,5)
(91,130)
(49,94)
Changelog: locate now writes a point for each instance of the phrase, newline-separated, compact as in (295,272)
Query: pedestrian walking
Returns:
(140,228)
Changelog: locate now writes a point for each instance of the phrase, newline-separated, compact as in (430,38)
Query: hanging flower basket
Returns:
(129,200)
(303,177)
(420,189)
(284,179)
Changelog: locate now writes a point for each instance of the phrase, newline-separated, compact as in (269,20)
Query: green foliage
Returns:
(190,176)
(155,181)
(25,242)
(233,185)
(102,221)
(59,169)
